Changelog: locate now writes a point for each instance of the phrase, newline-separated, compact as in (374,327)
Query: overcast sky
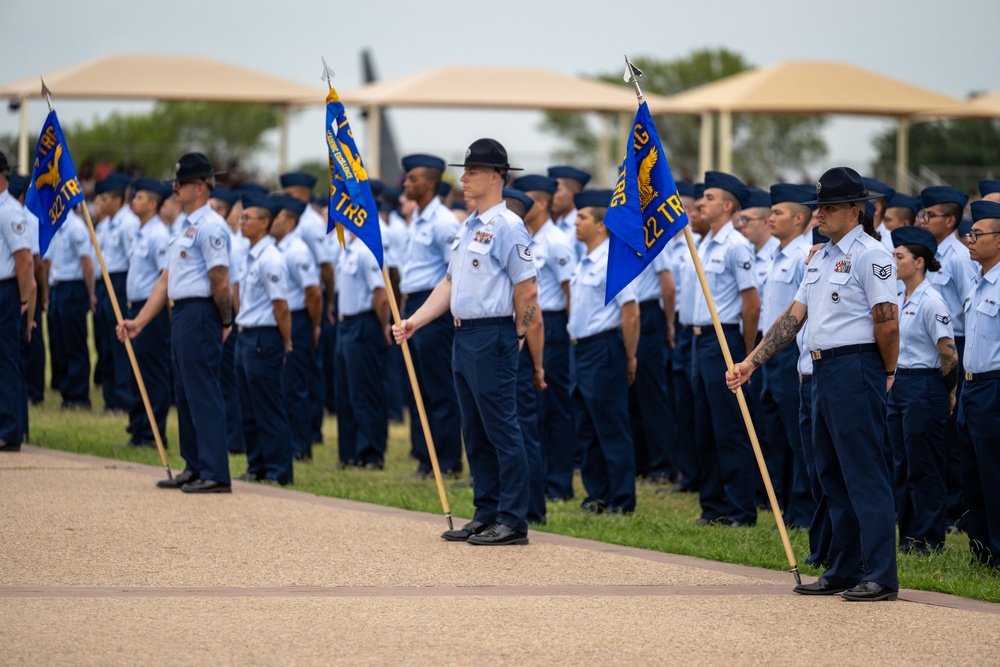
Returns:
(948,47)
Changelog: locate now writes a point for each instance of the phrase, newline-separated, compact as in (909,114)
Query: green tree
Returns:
(228,133)
(765,147)
(961,152)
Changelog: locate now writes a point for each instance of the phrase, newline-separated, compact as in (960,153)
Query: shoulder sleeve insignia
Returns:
(524,252)
(882,272)
(746,265)
(217,242)
(562,261)
(943,319)
(19,227)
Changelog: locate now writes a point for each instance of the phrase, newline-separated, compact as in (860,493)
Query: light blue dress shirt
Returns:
(955,278)
(782,281)
(73,243)
(119,235)
(14,233)
(923,321)
(982,324)
(301,268)
(264,281)
(762,260)
(428,247)
(647,284)
(843,282)
(147,259)
(202,243)
(588,315)
(727,258)
(491,254)
(555,259)
(312,230)
(686,278)
(358,276)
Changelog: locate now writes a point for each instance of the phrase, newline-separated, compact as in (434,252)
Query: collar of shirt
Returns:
(284,242)
(4,196)
(992,276)
(722,234)
(568,219)
(427,213)
(487,216)
(598,253)
(261,245)
(948,246)
(768,250)
(196,215)
(543,229)
(844,245)
(918,294)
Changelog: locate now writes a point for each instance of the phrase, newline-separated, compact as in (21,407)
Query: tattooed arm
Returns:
(781,333)
(886,318)
(525,304)
(949,369)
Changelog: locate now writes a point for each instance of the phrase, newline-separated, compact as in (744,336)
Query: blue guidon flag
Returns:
(352,204)
(54,187)
(645,211)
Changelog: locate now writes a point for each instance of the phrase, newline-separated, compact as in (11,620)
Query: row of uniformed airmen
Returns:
(683,423)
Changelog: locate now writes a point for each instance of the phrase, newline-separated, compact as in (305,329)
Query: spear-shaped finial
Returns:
(328,73)
(47,93)
(633,74)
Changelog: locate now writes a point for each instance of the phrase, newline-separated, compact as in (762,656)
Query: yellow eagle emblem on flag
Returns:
(646,191)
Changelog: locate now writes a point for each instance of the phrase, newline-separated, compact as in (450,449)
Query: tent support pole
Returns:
(22,139)
(604,151)
(283,141)
(903,156)
(705,145)
(726,141)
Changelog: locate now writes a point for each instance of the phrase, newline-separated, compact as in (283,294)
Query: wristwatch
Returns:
(891,373)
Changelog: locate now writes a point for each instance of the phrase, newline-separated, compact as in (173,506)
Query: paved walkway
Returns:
(98,567)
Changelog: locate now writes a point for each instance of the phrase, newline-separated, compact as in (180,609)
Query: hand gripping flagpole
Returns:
(633,73)
(118,316)
(417,398)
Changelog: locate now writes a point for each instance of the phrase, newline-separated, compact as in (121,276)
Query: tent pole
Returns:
(374,145)
(22,139)
(604,151)
(283,142)
(705,147)
(726,141)
(903,156)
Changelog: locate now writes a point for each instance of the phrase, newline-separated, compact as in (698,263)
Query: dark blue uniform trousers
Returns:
(152,354)
(779,408)
(56,347)
(527,417)
(296,376)
(326,360)
(682,374)
(196,345)
(260,356)
(650,411)
(600,401)
(70,303)
(12,426)
(917,412)
(231,395)
(432,365)
(980,412)
(956,439)
(485,378)
(118,381)
(35,362)
(820,530)
(24,354)
(362,426)
(555,410)
(848,442)
(726,459)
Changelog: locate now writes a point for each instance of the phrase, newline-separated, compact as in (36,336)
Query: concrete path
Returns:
(98,567)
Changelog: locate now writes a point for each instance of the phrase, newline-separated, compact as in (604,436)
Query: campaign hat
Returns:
(4,165)
(841,185)
(486,153)
(193,165)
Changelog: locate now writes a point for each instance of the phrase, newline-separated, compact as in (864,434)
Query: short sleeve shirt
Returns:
(13,232)
(302,270)
(554,259)
(74,243)
(429,243)
(147,260)
(588,315)
(982,324)
(358,276)
(491,254)
(202,243)
(954,280)
(264,281)
(782,282)
(923,321)
(728,259)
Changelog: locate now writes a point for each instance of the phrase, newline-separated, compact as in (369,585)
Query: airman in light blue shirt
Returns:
(264,280)
(429,246)
(202,243)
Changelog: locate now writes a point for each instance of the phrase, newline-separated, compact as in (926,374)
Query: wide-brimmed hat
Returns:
(841,185)
(193,165)
(486,153)
(4,165)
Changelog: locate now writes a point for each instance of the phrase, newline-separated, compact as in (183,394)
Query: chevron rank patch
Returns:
(882,272)
(524,252)
(943,319)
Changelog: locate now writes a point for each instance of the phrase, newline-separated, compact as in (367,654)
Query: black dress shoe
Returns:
(819,587)
(869,591)
(249,477)
(497,535)
(717,521)
(206,486)
(180,480)
(465,532)
(4,447)
(593,506)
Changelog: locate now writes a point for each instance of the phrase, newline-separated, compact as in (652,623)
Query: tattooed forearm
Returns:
(884,312)
(529,314)
(219,280)
(949,357)
(781,333)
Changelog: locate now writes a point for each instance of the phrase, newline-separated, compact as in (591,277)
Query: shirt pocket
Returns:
(479,248)
(423,237)
(989,330)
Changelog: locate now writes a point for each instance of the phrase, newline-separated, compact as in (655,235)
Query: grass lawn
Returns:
(662,522)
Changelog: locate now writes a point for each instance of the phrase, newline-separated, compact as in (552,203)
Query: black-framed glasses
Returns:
(930,216)
(973,235)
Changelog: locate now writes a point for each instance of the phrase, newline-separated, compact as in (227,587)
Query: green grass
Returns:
(662,522)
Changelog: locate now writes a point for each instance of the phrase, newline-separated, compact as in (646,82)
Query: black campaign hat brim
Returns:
(194,176)
(842,200)
(486,164)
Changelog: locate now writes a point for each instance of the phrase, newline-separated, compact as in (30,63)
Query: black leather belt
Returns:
(805,378)
(421,294)
(348,318)
(596,337)
(919,372)
(482,322)
(708,327)
(978,377)
(844,350)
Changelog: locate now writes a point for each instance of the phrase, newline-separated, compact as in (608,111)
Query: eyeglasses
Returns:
(930,216)
(973,235)
(743,220)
